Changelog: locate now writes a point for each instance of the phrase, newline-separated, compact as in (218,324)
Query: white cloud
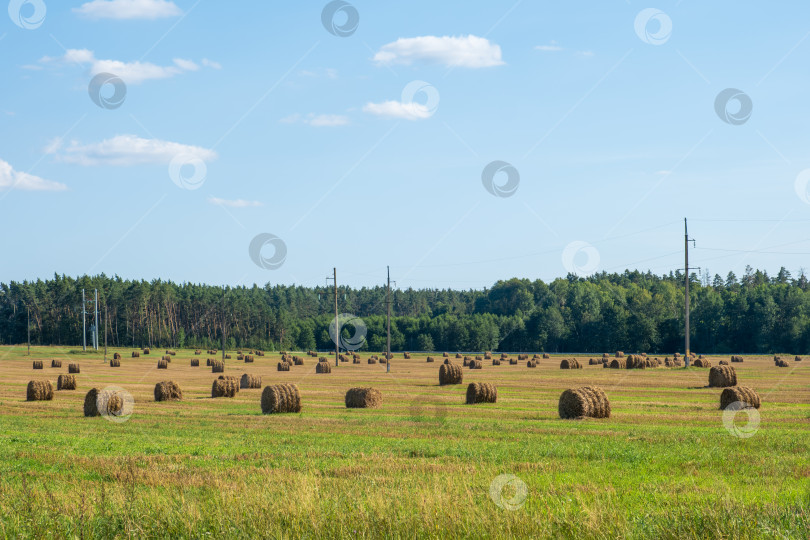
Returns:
(553,47)
(398,109)
(130,72)
(128,150)
(465,51)
(210,63)
(317,120)
(128,9)
(237,203)
(585,54)
(11,179)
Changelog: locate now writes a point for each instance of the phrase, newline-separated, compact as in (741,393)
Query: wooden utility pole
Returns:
(28,313)
(686,297)
(106,320)
(388,311)
(338,327)
(84,323)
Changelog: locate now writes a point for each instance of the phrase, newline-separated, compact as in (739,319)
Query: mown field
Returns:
(424,464)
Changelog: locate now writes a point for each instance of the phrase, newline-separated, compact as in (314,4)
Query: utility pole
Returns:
(28,312)
(223,323)
(106,321)
(338,328)
(84,323)
(388,312)
(686,282)
(95,334)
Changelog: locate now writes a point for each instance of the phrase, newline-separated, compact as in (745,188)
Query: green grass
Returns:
(660,467)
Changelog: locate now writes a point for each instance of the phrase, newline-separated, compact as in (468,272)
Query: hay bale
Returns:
(487,355)
(736,359)
(429,360)
(195,362)
(702,363)
(136,354)
(481,393)
(618,363)
(298,361)
(99,402)
(281,398)
(530,363)
(512,361)
(115,362)
(250,381)
(407,356)
(224,387)
(445,355)
(208,362)
(466,362)
(546,356)
(240,357)
(450,374)
(163,364)
(167,358)
(635,361)
(146,351)
(586,401)
(496,361)
(116,356)
(168,391)
(619,354)
(284,366)
(227,357)
(383,360)
(372,360)
(74,368)
(39,391)
(323,367)
(476,364)
(723,362)
(217,366)
(722,377)
(458,355)
(570,363)
(782,363)
(363,398)
(356,360)
(197,351)
(478,358)
(56,363)
(66,382)
(37,364)
(797,359)
(594,362)
(744,394)
(171,353)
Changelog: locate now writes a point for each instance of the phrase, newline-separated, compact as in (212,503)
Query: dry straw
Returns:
(168,391)
(782,363)
(250,381)
(195,362)
(743,394)
(722,377)
(115,362)
(445,355)
(797,359)
(429,359)
(586,401)
(37,364)
(224,387)
(496,361)
(450,374)
(407,356)
(56,363)
(529,363)
(298,361)
(512,361)
(323,367)
(481,393)
(162,364)
(702,363)
(116,356)
(106,402)
(619,354)
(476,364)
(570,363)
(372,360)
(73,368)
(66,382)
(546,356)
(39,391)
(136,354)
(618,363)
(363,398)
(281,398)
(736,358)
(217,366)
(283,366)
(146,351)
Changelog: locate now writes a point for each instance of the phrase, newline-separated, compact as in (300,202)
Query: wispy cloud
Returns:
(398,109)
(317,120)
(464,51)
(553,47)
(128,150)
(237,203)
(130,72)
(128,9)
(11,179)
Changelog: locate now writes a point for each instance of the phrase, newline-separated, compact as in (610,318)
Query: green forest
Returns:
(632,311)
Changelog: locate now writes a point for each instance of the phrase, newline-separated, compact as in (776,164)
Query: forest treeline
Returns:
(632,311)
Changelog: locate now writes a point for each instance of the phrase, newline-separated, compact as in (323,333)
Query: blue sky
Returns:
(278,127)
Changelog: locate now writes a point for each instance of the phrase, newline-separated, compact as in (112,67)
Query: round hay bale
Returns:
(458,355)
(224,387)
(570,363)
(635,361)
(136,354)
(372,360)
(797,359)
(227,357)
(298,361)
(66,382)
(619,354)
(487,355)
(429,359)
(722,377)
(618,363)
(37,364)
(281,398)
(512,361)
(407,356)
(445,355)
(323,367)
(195,362)
(450,374)
(249,358)
(115,362)
(466,362)
(168,391)
(39,391)
(496,361)
(56,363)
(146,351)
(162,364)
(723,362)
(284,366)
(167,358)
(197,351)
(782,363)
(99,402)
(606,365)
(208,362)
(240,357)
(478,358)
(383,360)
(74,368)
(586,401)
(594,362)
(363,398)
(250,381)
(356,360)
(116,356)
(702,363)
(546,356)
(481,393)
(736,359)
(743,394)
(476,364)
(530,363)
(217,366)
